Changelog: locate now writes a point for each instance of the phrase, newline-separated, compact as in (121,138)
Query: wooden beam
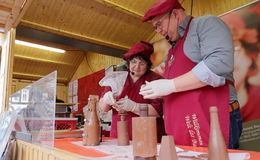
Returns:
(2,25)
(6,69)
(43,60)
(121,8)
(2,39)
(27,76)
(2,28)
(68,40)
(18,10)
(5,9)
(10,66)
(72,35)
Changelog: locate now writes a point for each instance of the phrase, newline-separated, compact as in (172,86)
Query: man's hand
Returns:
(125,104)
(157,88)
(108,98)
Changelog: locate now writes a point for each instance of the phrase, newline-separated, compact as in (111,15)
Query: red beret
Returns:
(142,47)
(160,8)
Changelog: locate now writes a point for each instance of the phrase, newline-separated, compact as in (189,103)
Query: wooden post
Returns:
(6,69)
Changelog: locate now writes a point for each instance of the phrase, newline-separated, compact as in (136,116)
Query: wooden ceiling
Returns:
(79,26)
(103,26)
(113,23)
(8,13)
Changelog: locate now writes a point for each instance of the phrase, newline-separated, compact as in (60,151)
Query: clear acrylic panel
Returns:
(7,120)
(36,103)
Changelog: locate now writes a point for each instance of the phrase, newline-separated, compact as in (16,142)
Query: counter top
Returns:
(74,145)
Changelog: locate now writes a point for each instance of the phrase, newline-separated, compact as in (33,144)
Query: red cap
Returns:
(160,8)
(142,47)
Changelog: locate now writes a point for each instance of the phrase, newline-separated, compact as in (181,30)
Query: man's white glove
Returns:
(125,104)
(157,88)
(108,98)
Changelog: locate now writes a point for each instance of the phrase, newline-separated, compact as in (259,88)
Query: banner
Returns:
(244,24)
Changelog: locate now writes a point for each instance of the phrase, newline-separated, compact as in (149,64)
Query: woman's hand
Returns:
(108,98)
(125,104)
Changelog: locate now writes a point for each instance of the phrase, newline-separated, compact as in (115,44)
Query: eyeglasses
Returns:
(140,63)
(158,24)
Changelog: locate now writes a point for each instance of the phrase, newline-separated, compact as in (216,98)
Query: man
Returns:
(198,75)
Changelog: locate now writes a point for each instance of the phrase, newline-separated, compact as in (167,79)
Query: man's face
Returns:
(160,24)
(166,24)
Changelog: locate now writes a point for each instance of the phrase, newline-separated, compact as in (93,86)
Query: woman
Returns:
(139,64)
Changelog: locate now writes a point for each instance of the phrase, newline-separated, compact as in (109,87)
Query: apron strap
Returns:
(187,28)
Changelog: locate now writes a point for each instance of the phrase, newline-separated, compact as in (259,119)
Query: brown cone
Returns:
(167,149)
(217,148)
(122,133)
(92,127)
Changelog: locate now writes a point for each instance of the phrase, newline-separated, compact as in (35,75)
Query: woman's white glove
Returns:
(125,104)
(157,88)
(108,98)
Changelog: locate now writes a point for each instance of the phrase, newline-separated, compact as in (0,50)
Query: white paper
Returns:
(126,152)
(70,89)
(75,87)
(115,80)
(75,101)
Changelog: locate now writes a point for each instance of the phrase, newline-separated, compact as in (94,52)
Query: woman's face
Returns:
(138,66)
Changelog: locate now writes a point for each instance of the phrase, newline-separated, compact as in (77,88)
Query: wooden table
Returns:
(68,145)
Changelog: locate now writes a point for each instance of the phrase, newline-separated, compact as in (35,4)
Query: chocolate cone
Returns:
(217,148)
(167,149)
(122,133)
(91,136)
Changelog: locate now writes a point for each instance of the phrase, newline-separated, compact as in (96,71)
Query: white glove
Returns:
(125,104)
(157,88)
(108,98)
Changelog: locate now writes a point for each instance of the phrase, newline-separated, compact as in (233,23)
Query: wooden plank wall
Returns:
(91,63)
(28,151)
(94,62)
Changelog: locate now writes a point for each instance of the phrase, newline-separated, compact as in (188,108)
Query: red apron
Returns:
(186,114)
(131,89)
